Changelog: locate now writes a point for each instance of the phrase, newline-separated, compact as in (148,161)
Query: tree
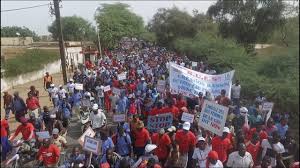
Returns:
(169,24)
(248,21)
(11,31)
(116,21)
(74,29)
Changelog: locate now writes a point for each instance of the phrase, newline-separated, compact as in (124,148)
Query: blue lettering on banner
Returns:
(155,123)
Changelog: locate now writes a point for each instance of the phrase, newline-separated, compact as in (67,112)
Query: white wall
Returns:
(74,53)
(16,41)
(7,83)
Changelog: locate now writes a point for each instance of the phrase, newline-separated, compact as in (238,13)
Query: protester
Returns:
(141,139)
(222,145)
(26,129)
(34,92)
(201,153)
(33,105)
(48,154)
(213,160)
(240,158)
(7,103)
(235,93)
(18,107)
(5,145)
(163,143)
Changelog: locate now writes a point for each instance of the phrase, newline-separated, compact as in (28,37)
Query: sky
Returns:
(38,19)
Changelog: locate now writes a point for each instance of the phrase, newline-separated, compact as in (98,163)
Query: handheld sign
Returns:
(106,88)
(267,106)
(213,117)
(194,64)
(78,86)
(140,71)
(157,122)
(161,84)
(119,117)
(122,76)
(187,117)
(43,134)
(89,132)
(116,91)
(92,145)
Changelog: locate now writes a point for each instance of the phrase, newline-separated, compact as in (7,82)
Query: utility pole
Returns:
(61,40)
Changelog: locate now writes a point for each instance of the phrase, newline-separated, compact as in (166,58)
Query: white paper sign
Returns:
(92,145)
(161,85)
(78,86)
(194,64)
(88,132)
(140,71)
(267,106)
(119,117)
(116,91)
(149,72)
(106,88)
(187,117)
(213,117)
(122,76)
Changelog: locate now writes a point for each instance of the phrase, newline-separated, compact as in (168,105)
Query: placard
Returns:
(194,64)
(186,117)
(106,88)
(78,86)
(116,91)
(88,132)
(122,76)
(161,85)
(91,145)
(213,117)
(266,106)
(149,72)
(43,134)
(119,117)
(157,122)
(140,71)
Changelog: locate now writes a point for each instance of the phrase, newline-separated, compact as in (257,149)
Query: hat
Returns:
(186,126)
(60,86)
(23,120)
(213,155)
(150,147)
(52,85)
(55,131)
(201,139)
(243,110)
(171,129)
(184,109)
(226,129)
(161,131)
(142,78)
(71,80)
(140,124)
(95,106)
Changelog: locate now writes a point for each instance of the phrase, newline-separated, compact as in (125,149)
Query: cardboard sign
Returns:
(157,122)
(186,117)
(116,91)
(194,64)
(161,85)
(78,86)
(106,88)
(122,76)
(92,145)
(88,132)
(213,117)
(119,117)
(267,106)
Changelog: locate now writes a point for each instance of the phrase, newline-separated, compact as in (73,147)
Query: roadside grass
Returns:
(31,60)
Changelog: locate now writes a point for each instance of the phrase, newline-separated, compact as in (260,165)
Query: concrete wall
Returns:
(74,56)
(16,41)
(7,83)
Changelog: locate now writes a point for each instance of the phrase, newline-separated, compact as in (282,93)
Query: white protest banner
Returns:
(78,86)
(213,117)
(88,132)
(91,145)
(119,117)
(161,85)
(122,76)
(159,121)
(186,117)
(266,106)
(116,91)
(194,64)
(106,88)
(190,82)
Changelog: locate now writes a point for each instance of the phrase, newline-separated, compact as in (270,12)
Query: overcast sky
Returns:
(38,19)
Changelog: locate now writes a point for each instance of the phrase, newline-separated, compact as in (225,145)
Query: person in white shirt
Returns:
(100,96)
(240,158)
(213,160)
(235,93)
(273,148)
(53,91)
(98,118)
(71,86)
(201,152)
(62,92)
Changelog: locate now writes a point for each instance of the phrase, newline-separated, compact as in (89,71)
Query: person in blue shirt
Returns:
(76,101)
(123,142)
(282,127)
(107,142)
(122,104)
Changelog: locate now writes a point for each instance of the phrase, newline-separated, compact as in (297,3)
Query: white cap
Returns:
(150,147)
(60,86)
(226,129)
(53,115)
(201,139)
(55,131)
(142,78)
(243,110)
(71,80)
(52,85)
(95,107)
(186,126)
(171,129)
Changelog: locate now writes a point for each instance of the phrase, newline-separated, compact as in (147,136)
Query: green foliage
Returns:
(148,36)
(248,21)
(116,21)
(11,31)
(31,60)
(74,28)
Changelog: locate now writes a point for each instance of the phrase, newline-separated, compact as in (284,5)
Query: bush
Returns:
(31,60)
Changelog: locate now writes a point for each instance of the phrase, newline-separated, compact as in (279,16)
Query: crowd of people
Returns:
(247,140)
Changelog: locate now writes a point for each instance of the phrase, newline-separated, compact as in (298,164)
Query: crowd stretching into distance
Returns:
(247,139)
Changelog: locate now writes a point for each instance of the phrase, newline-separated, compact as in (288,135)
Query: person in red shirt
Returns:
(253,147)
(157,110)
(33,104)
(48,154)
(222,145)
(258,129)
(4,139)
(26,129)
(222,99)
(180,102)
(141,139)
(163,143)
(186,140)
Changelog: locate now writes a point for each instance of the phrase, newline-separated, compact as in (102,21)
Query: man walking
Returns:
(7,99)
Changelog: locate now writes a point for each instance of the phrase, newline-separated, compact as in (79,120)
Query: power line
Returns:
(8,10)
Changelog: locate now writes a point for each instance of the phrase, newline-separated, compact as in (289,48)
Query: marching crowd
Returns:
(247,140)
